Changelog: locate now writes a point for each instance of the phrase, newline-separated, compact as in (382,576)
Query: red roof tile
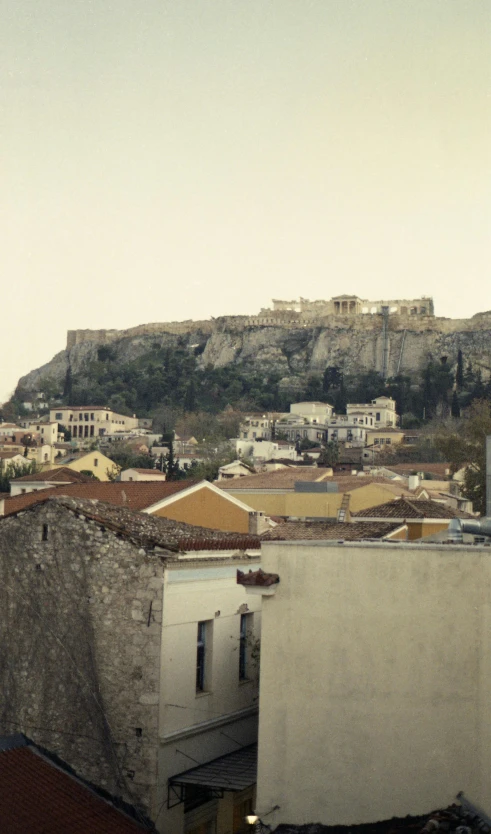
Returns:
(38,797)
(280,479)
(60,475)
(325,531)
(136,495)
(152,531)
(415,509)
(147,471)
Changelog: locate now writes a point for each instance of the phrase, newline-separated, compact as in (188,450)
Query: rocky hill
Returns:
(288,345)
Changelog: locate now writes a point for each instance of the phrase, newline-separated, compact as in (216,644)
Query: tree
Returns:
(170,465)
(455,407)
(16,470)
(459,374)
(330,455)
(465,445)
(124,456)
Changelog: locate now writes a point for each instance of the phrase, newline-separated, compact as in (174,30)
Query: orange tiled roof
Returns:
(280,479)
(137,495)
(325,531)
(152,531)
(147,471)
(414,509)
(61,474)
(37,796)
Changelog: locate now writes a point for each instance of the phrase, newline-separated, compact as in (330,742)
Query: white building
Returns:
(48,432)
(382,410)
(142,475)
(256,426)
(92,421)
(375,680)
(312,412)
(263,450)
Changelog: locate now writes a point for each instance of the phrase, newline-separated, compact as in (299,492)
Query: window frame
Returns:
(203,656)
(246,628)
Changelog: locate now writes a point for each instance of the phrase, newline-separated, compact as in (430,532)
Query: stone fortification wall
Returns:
(81,652)
(104,337)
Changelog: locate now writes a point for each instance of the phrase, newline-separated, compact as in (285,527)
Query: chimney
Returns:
(257,523)
(413,482)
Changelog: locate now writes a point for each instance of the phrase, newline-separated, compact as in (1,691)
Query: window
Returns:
(203,656)
(58,415)
(377,416)
(246,623)
(44,535)
(96,462)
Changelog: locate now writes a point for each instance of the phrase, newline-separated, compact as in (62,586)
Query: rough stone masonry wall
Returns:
(80,634)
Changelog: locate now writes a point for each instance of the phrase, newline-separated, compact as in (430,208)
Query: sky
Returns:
(163,160)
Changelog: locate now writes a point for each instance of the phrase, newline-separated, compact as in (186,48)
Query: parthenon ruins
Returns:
(351,305)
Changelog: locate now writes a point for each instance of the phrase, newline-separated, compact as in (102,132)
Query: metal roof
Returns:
(232,772)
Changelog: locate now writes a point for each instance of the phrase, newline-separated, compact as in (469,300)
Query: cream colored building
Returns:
(142,475)
(385,437)
(256,426)
(48,432)
(312,412)
(375,680)
(93,421)
(381,409)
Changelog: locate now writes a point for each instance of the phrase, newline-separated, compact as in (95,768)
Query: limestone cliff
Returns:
(292,345)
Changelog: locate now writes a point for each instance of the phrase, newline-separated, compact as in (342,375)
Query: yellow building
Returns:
(301,493)
(423,518)
(101,466)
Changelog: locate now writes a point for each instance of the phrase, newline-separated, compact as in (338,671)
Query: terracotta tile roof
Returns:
(440,469)
(5,455)
(334,531)
(61,475)
(38,796)
(137,495)
(411,509)
(147,471)
(257,578)
(280,479)
(151,531)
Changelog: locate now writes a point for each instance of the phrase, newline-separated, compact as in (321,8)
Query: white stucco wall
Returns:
(196,727)
(375,681)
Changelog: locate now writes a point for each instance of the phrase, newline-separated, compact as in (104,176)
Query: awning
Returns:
(232,772)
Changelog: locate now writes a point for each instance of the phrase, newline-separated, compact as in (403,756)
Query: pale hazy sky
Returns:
(172,159)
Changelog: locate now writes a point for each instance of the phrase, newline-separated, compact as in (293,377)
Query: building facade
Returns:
(92,421)
(127,650)
(374,681)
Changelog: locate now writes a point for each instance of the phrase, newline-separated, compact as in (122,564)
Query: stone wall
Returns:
(81,634)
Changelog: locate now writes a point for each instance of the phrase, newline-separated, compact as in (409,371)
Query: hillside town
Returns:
(172,622)
(245,417)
